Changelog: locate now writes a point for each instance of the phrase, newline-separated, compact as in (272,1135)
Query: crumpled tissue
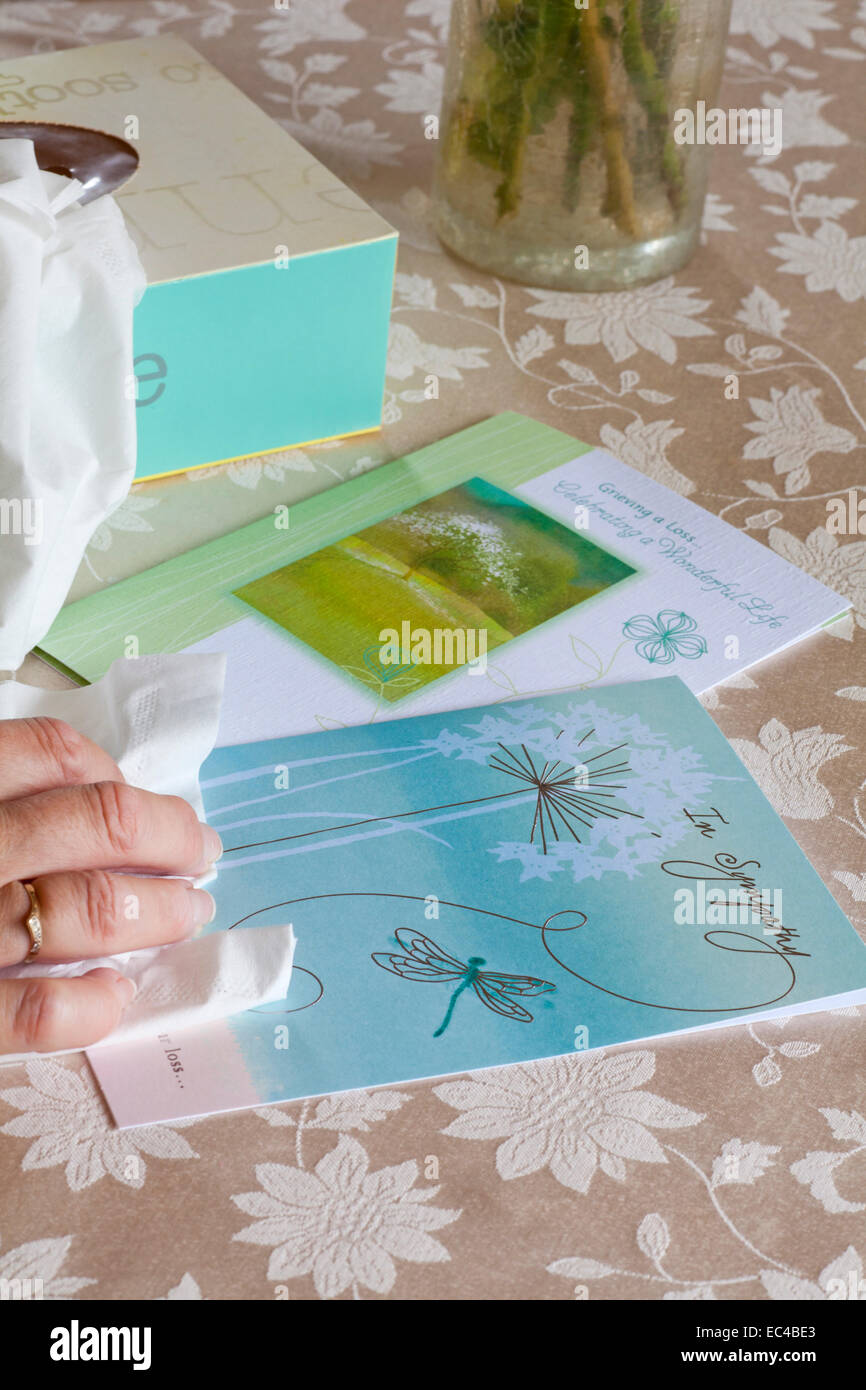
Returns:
(69,280)
(158,716)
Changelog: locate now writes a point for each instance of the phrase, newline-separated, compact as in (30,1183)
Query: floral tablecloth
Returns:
(726,1165)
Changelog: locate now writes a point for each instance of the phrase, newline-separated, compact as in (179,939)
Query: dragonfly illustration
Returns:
(426,962)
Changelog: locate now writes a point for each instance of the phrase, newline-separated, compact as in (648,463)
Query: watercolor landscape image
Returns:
(473,560)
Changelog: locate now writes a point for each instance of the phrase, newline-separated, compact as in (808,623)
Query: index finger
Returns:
(105,825)
(40,753)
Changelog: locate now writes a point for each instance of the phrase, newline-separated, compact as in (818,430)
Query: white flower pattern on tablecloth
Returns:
(828,258)
(770,21)
(408,354)
(341,1223)
(436,12)
(716,215)
(741,1162)
(415,291)
(769,1071)
(38,1263)
(651,317)
(306,21)
(791,430)
(763,313)
(786,766)
(838,564)
(855,883)
(411,90)
(643,446)
(836,1281)
(348,1110)
(187,1291)
(64,1115)
(817,1170)
(803,124)
(575,1116)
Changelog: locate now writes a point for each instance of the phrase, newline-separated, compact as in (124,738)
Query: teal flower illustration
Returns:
(663,638)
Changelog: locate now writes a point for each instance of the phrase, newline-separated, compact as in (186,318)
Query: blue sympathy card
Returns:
(494,885)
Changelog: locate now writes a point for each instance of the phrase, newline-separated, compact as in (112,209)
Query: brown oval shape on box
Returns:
(101,162)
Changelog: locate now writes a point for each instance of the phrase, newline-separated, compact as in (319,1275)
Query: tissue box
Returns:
(265,320)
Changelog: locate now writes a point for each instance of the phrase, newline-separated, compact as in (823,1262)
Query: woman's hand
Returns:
(73,828)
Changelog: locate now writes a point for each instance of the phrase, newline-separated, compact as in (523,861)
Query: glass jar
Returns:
(559,162)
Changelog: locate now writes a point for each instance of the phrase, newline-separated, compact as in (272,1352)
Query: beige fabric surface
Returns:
(726,1165)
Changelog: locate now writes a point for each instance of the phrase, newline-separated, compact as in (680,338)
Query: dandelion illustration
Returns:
(566,794)
(662,778)
(661,639)
(617,782)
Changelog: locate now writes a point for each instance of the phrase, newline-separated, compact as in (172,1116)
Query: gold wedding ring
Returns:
(33,923)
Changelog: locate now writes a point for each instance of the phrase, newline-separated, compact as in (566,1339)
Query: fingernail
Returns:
(126,988)
(203,908)
(213,845)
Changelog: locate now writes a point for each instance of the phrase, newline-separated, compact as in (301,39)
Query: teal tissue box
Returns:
(264,324)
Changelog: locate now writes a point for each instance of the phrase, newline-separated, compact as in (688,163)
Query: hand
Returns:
(71,826)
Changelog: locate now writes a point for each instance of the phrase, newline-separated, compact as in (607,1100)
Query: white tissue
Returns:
(195,982)
(69,280)
(158,717)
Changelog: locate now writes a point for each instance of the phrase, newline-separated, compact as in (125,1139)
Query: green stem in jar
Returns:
(581,125)
(642,68)
(546,26)
(482,120)
(477,77)
(534,57)
(620,186)
(659,23)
